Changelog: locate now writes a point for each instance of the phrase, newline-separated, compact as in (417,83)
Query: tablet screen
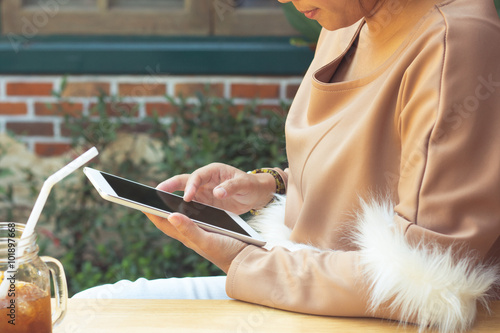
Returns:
(172,203)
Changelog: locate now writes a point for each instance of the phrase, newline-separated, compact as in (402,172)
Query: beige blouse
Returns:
(423,132)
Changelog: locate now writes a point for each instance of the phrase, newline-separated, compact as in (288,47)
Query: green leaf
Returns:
(5,172)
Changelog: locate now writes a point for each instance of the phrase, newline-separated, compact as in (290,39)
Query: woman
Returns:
(393,186)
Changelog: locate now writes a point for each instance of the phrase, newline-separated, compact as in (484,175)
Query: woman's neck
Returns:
(380,37)
(393,21)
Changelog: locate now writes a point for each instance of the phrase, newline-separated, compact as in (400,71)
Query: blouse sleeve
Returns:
(424,260)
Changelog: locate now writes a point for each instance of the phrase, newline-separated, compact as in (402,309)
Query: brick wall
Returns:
(27,104)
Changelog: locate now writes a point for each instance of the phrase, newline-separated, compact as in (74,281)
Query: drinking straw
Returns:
(42,198)
(49,183)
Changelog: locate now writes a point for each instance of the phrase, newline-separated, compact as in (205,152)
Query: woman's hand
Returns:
(224,186)
(219,249)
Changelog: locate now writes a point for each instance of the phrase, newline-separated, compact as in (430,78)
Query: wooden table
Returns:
(93,315)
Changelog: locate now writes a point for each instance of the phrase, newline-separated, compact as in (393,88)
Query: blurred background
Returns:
(160,87)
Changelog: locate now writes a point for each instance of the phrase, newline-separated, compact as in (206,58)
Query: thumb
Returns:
(230,187)
(190,231)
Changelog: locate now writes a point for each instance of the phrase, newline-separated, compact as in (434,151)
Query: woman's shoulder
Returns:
(469,18)
(456,53)
(469,8)
(458,33)
(472,31)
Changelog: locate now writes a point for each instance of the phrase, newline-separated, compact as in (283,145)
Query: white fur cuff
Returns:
(270,223)
(426,284)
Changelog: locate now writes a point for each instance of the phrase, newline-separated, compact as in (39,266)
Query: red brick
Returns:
(81,128)
(140,90)
(85,89)
(29,89)
(59,109)
(13,109)
(189,89)
(291,90)
(31,128)
(160,109)
(240,90)
(51,149)
(66,131)
(117,109)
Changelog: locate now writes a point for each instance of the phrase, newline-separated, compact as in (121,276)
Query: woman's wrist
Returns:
(268,187)
(271,182)
(279,184)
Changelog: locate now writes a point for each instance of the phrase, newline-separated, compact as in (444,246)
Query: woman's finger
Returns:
(192,234)
(193,183)
(175,183)
(200,177)
(164,226)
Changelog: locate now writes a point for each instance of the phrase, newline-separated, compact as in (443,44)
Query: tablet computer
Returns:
(151,200)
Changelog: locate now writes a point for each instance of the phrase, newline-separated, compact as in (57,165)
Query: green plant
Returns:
(215,130)
(99,242)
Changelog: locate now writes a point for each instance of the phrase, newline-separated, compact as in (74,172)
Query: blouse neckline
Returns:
(321,77)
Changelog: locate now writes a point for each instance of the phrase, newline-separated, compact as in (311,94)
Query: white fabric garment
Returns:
(211,287)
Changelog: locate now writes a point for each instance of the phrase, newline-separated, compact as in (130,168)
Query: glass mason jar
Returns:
(25,298)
